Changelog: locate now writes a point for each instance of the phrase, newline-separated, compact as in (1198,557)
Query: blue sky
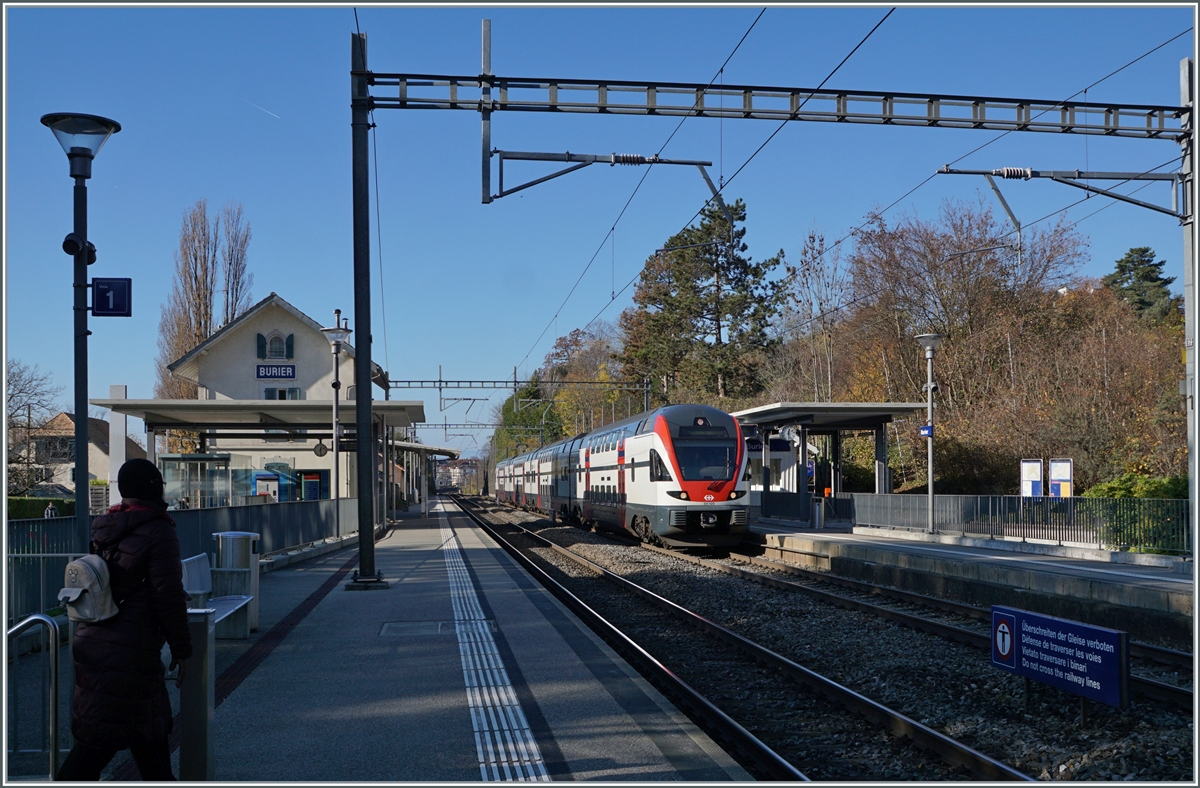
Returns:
(252,105)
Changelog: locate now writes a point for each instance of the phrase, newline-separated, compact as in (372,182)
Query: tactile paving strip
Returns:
(506,747)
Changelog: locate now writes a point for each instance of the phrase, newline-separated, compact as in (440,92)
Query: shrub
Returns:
(1136,485)
(30,508)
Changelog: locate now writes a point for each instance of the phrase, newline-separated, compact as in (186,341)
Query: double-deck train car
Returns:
(672,476)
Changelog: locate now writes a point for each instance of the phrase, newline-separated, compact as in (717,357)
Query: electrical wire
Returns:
(387,357)
(997,138)
(1026,225)
(636,188)
(725,183)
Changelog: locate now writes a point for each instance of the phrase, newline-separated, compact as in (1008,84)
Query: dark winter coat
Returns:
(120,691)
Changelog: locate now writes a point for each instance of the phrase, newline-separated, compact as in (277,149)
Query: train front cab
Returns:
(686,477)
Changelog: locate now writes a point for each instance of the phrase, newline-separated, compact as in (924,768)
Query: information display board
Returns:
(1031,478)
(1080,658)
(1062,478)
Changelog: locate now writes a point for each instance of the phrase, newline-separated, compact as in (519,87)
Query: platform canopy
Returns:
(433,451)
(248,414)
(827,416)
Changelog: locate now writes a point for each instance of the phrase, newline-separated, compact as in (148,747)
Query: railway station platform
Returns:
(463,670)
(1150,597)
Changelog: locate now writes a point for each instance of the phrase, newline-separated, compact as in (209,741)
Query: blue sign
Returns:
(927,431)
(275,371)
(1079,658)
(112,297)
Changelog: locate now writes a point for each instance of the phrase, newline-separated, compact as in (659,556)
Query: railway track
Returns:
(756,707)
(1147,686)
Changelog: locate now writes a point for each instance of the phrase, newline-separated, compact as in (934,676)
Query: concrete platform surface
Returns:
(1090,585)
(463,669)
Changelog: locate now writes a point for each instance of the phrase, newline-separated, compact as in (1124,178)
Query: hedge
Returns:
(29,508)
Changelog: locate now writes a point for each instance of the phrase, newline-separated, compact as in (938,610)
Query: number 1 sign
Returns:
(112,297)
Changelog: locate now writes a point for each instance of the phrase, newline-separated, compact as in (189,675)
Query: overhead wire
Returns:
(636,188)
(997,138)
(1056,212)
(725,183)
(378,223)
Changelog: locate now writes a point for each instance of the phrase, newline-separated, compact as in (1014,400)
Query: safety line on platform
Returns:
(503,740)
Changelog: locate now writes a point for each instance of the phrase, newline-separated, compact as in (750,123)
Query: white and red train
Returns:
(673,476)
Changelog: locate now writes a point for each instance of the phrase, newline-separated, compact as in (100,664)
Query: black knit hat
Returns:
(140,479)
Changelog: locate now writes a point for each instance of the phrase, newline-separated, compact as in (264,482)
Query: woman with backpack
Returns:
(121,700)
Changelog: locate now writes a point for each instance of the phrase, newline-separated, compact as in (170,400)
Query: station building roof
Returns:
(827,416)
(423,448)
(249,414)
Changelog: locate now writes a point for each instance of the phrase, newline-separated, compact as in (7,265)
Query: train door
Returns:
(587,481)
(621,479)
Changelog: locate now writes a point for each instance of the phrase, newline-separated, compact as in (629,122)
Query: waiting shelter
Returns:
(805,421)
(295,429)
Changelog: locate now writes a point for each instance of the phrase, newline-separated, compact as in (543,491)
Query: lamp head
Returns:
(930,342)
(336,335)
(80,135)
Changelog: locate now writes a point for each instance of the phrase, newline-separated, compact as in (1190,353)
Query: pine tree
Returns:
(701,312)
(1139,281)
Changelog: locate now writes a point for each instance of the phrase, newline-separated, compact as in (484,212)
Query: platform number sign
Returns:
(1004,641)
(112,297)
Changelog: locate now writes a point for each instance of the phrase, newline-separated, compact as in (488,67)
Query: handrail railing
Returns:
(52,653)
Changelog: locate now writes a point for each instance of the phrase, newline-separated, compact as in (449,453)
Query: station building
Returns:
(263,415)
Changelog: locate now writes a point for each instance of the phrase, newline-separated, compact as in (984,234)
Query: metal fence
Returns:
(39,550)
(1144,524)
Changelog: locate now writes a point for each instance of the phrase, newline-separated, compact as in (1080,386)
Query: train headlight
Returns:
(680,494)
(734,494)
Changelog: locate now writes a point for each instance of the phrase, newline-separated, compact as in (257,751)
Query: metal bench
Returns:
(230,601)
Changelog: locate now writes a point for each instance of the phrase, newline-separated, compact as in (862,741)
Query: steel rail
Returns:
(1154,689)
(747,743)
(1165,656)
(951,751)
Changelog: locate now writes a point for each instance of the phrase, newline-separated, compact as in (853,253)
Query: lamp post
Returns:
(337,336)
(930,342)
(81,137)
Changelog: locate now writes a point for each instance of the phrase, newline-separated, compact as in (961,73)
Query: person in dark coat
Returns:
(121,700)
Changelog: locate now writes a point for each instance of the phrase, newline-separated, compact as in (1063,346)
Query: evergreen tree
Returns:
(701,312)
(1139,280)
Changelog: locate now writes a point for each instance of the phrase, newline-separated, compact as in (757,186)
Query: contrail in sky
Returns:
(269,112)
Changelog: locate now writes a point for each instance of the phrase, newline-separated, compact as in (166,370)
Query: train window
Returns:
(658,469)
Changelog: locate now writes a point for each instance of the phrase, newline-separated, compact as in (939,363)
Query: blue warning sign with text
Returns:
(1087,660)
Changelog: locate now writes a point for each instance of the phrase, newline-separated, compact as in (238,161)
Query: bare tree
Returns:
(29,400)
(237,279)
(209,248)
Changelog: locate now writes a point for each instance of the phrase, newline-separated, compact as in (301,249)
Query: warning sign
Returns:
(1004,627)
(1087,660)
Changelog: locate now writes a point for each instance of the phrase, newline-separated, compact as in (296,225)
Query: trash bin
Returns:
(818,513)
(239,550)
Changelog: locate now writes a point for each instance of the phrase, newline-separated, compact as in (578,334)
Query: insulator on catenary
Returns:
(627,158)
(1014,172)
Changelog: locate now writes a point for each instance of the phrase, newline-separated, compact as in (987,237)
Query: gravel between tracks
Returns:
(947,686)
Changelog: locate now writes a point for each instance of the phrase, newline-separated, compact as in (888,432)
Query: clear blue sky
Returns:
(252,105)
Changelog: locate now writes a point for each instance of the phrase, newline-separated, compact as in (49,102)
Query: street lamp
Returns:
(81,137)
(930,342)
(337,336)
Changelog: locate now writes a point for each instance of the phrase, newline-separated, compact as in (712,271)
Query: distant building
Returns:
(453,473)
(50,451)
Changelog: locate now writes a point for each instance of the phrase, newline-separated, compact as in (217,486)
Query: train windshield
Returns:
(707,460)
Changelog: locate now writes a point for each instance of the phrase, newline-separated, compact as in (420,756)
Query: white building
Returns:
(272,352)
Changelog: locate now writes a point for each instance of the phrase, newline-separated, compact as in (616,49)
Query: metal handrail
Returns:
(52,653)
